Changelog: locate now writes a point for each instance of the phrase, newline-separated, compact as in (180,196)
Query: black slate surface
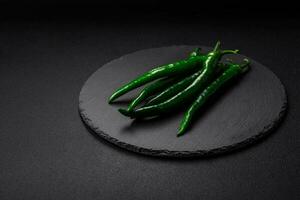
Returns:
(245,112)
(47,153)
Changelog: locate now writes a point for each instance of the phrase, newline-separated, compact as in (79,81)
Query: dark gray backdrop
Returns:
(47,153)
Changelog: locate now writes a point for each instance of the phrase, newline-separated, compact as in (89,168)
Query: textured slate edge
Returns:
(181,154)
(184,154)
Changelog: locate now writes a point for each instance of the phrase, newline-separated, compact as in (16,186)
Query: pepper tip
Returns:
(181,132)
(111,99)
(124,112)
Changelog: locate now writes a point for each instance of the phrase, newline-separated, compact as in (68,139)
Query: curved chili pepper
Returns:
(152,89)
(232,72)
(209,68)
(158,86)
(162,84)
(178,87)
(192,62)
(174,89)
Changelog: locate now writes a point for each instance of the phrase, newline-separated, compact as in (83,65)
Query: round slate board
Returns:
(240,115)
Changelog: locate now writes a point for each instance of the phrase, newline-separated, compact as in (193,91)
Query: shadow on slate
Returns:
(243,113)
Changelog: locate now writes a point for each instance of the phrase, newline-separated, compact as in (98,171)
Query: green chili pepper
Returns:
(159,85)
(152,89)
(191,63)
(178,87)
(210,65)
(232,72)
(173,90)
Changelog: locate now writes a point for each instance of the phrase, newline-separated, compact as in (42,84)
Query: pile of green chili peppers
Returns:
(191,81)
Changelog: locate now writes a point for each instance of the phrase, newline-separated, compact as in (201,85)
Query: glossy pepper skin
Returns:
(191,63)
(152,89)
(209,68)
(178,87)
(233,71)
(173,90)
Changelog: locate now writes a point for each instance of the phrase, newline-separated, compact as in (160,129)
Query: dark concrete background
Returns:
(47,153)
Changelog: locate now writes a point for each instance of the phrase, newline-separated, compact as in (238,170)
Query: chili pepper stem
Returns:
(196,52)
(230,51)
(245,66)
(217,46)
